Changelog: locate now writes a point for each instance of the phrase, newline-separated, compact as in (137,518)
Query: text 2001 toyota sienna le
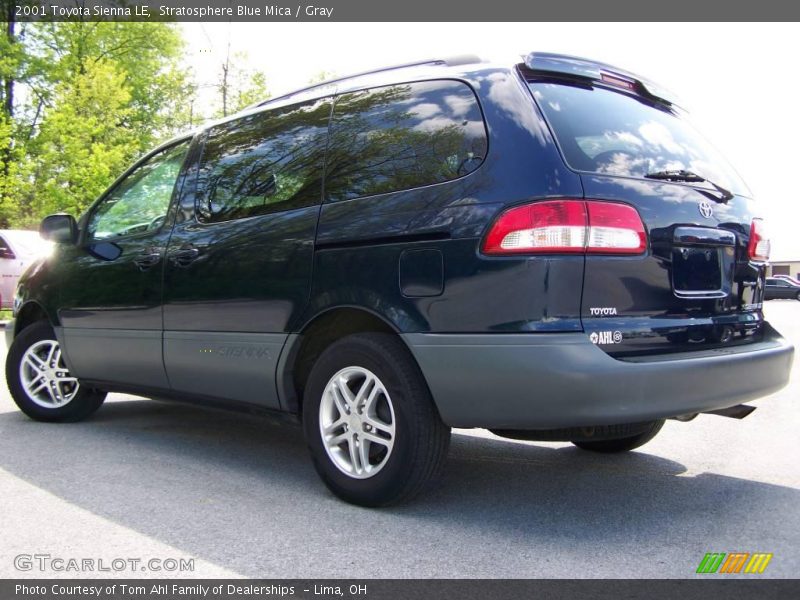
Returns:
(547,250)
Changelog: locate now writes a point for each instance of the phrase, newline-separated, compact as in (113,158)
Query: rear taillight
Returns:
(567,226)
(555,226)
(758,247)
(615,229)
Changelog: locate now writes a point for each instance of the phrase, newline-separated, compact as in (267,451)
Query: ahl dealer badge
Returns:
(606,337)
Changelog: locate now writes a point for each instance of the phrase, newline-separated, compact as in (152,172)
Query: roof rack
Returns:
(453,61)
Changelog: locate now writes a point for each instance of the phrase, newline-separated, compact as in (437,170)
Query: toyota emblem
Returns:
(705,209)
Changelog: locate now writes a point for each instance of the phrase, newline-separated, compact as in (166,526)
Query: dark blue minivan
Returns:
(544,249)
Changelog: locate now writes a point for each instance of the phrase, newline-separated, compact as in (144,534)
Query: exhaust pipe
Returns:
(740,411)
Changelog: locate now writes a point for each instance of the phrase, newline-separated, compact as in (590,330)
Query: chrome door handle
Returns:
(147,259)
(185,256)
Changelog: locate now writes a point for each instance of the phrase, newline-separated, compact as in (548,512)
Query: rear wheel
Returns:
(798,296)
(622,444)
(373,431)
(39,381)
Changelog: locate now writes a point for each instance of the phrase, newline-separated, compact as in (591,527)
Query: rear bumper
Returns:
(545,381)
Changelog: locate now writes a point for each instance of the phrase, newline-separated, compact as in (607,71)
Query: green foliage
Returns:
(7,163)
(145,54)
(321,76)
(84,142)
(251,89)
(79,101)
(238,87)
(88,98)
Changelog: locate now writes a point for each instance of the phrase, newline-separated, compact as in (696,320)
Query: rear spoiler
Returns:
(583,68)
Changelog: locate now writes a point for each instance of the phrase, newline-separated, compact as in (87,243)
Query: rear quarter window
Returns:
(5,249)
(403,136)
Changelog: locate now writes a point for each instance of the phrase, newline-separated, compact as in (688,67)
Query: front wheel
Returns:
(622,444)
(39,381)
(373,431)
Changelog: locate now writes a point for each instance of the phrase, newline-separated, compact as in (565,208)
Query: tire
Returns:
(622,444)
(28,379)
(798,296)
(407,441)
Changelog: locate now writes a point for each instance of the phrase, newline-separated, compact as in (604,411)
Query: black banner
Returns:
(407,10)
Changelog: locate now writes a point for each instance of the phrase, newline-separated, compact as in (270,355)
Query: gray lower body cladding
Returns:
(555,380)
(540,381)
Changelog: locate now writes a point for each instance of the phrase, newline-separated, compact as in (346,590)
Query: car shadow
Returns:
(207,482)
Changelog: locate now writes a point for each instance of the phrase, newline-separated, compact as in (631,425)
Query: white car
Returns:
(18,249)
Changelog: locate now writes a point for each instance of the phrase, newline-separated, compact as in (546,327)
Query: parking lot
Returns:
(238,494)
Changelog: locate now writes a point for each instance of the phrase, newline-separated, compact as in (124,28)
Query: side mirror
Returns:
(60,228)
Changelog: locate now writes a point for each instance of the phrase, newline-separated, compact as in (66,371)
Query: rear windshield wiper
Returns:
(689,176)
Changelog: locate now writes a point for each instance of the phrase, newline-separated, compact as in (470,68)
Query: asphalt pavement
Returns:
(238,496)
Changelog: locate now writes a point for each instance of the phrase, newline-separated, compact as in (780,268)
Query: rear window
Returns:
(403,136)
(604,131)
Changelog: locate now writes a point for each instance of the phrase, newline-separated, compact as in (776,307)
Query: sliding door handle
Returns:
(147,259)
(185,256)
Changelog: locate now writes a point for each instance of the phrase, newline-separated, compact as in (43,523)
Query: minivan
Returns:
(547,250)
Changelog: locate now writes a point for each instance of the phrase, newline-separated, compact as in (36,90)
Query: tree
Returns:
(8,156)
(9,67)
(321,76)
(9,63)
(238,87)
(79,101)
(146,54)
(251,91)
(83,144)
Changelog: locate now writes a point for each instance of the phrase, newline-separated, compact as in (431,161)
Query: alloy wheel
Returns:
(45,378)
(357,422)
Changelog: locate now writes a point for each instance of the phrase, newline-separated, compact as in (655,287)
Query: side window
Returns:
(5,249)
(264,163)
(140,202)
(403,136)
